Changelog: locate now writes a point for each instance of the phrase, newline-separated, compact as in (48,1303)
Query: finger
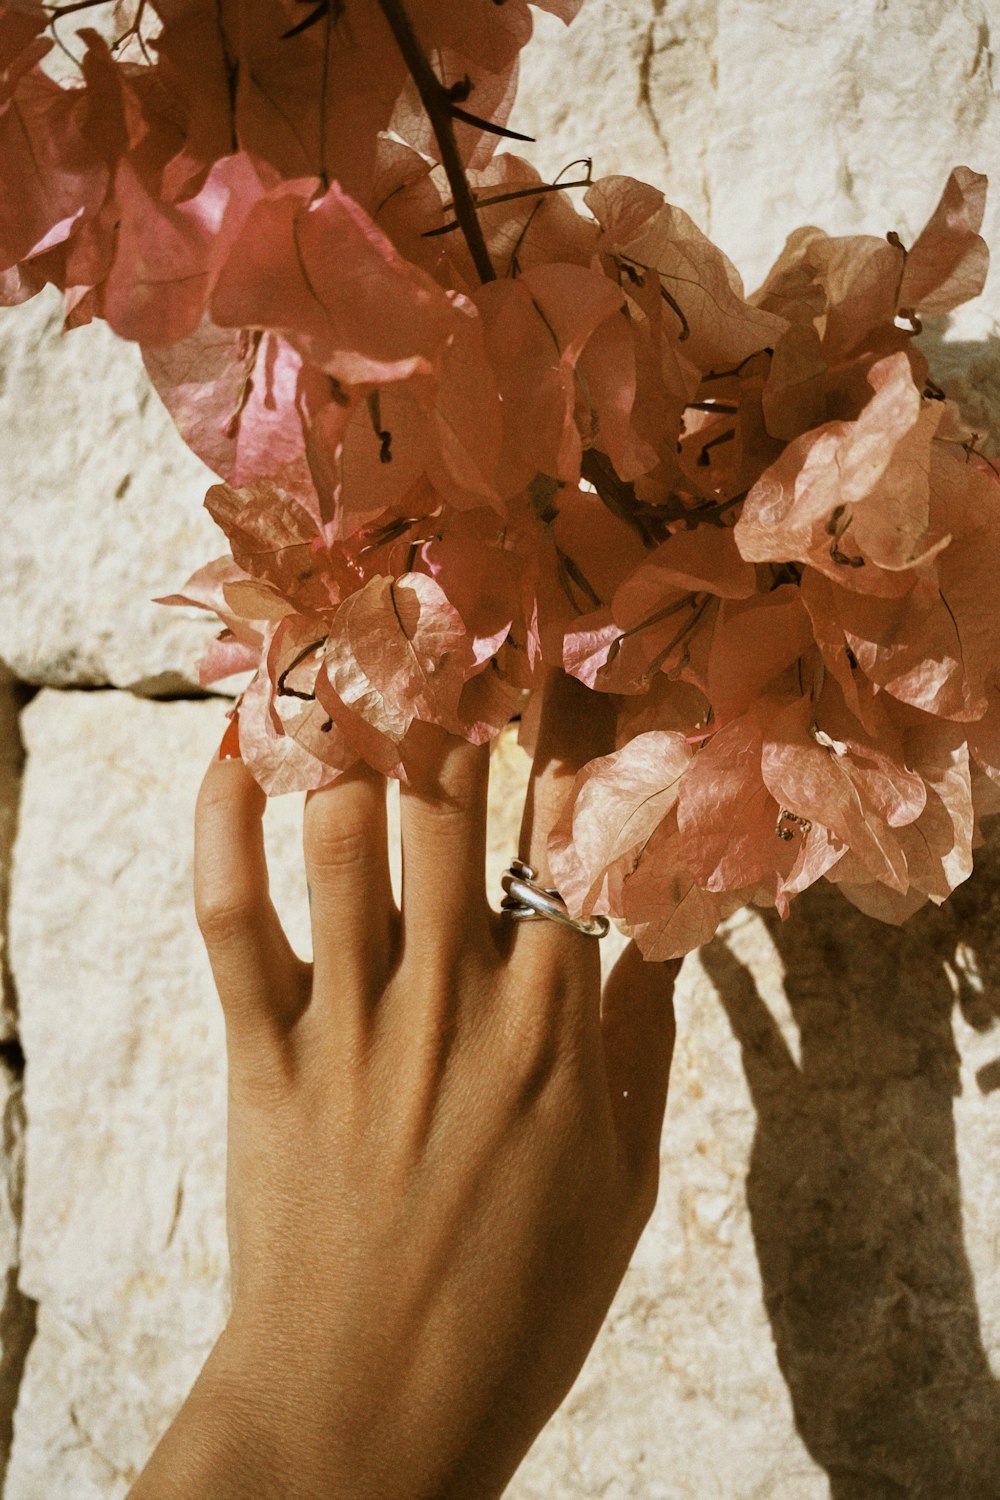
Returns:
(637,1030)
(575,725)
(260,979)
(352,911)
(442,815)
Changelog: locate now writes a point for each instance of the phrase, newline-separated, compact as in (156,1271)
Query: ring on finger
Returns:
(527,901)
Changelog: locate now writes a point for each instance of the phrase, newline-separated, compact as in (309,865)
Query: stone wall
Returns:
(814,1309)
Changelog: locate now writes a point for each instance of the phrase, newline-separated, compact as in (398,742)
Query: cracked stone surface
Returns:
(757,117)
(123,1242)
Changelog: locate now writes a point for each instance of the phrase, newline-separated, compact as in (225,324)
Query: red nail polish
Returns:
(229,747)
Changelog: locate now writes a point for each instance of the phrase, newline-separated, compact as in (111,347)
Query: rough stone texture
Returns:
(100,511)
(17,1310)
(123,1238)
(757,117)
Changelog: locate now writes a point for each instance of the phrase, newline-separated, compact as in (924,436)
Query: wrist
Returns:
(258,1425)
(212,1447)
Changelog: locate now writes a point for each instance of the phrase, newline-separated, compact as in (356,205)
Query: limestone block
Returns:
(16,1311)
(123,1242)
(100,509)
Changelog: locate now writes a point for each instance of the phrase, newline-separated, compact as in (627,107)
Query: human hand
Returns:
(443,1144)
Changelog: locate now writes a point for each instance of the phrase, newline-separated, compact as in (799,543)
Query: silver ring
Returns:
(527,901)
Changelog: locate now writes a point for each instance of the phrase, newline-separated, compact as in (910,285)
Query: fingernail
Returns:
(229,746)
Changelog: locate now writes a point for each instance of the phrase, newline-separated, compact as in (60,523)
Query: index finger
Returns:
(259,977)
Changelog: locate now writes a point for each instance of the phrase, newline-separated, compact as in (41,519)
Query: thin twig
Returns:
(488,125)
(287,692)
(532,192)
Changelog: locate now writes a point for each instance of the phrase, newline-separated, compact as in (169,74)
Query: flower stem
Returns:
(439,107)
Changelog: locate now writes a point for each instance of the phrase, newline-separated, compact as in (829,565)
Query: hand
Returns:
(443,1147)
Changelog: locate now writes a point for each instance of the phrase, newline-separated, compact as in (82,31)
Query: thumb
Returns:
(637,1029)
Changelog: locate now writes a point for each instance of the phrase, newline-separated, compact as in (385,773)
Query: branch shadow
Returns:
(853,1187)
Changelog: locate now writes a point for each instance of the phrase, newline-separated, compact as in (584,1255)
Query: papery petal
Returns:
(168,256)
(753,642)
(320,271)
(938,845)
(727,817)
(275,539)
(225,656)
(277,761)
(235,398)
(949,259)
(610,812)
(814,782)
(875,900)
(714,320)
(667,912)
(205,589)
(536,327)
(397,651)
(984,737)
(52,175)
(851,494)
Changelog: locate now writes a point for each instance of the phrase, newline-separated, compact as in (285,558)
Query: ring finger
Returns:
(575,725)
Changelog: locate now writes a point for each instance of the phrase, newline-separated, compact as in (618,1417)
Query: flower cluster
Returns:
(467,431)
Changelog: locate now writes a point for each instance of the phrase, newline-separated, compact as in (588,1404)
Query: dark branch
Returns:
(440,109)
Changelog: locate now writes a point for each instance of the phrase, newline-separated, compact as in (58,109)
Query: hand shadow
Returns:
(854,1195)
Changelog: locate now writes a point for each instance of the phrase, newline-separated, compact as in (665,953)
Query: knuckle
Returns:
(225,920)
(331,850)
(440,818)
(217,796)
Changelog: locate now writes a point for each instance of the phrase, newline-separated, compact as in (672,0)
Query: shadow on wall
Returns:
(968,372)
(853,1188)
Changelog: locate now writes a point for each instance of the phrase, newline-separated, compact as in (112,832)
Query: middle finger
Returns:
(345,844)
(442,814)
